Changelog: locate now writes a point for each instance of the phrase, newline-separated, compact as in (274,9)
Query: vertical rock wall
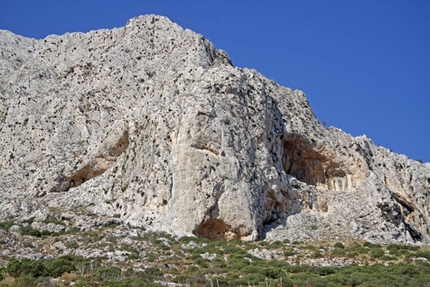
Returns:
(152,123)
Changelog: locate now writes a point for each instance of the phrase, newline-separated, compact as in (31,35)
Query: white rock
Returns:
(153,124)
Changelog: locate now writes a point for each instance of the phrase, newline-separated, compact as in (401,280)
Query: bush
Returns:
(52,219)
(425,254)
(123,283)
(150,257)
(275,244)
(289,252)
(250,269)
(192,269)
(26,280)
(254,278)
(111,224)
(25,266)
(338,252)
(202,262)
(377,253)
(72,244)
(57,267)
(42,268)
(28,230)
(271,272)
(186,239)
(133,256)
(352,254)
(367,244)
(339,245)
(108,273)
(310,247)
(6,225)
(180,279)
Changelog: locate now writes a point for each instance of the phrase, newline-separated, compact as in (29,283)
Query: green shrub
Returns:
(310,247)
(289,252)
(72,245)
(28,230)
(41,268)
(181,279)
(26,280)
(339,245)
(306,279)
(377,253)
(236,266)
(201,262)
(271,272)
(413,248)
(126,282)
(219,262)
(108,273)
(352,254)
(394,246)
(6,225)
(250,269)
(254,278)
(151,273)
(186,239)
(29,221)
(362,250)
(111,224)
(150,257)
(70,230)
(192,269)
(371,245)
(57,267)
(317,254)
(129,248)
(425,254)
(338,252)
(395,252)
(133,256)
(52,219)
(275,245)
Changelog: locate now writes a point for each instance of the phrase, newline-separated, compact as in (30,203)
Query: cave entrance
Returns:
(304,161)
(216,229)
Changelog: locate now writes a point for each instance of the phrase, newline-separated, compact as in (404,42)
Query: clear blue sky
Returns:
(364,65)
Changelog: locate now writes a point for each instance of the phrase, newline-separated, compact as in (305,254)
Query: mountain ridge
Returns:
(153,123)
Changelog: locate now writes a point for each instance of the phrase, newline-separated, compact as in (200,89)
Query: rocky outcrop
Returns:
(151,123)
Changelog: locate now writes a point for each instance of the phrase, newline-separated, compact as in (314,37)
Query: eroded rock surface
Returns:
(153,124)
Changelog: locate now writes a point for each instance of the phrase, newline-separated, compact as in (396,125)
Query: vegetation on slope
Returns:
(110,256)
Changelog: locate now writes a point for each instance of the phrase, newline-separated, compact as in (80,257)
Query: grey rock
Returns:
(151,123)
(208,256)
(190,245)
(264,254)
(51,227)
(15,228)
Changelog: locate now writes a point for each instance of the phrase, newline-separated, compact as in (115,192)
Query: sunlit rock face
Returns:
(151,123)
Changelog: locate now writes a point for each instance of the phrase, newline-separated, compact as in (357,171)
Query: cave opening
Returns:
(303,160)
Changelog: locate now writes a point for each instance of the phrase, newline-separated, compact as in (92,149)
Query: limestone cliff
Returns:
(151,123)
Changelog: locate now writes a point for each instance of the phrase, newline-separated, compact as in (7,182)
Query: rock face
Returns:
(152,124)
